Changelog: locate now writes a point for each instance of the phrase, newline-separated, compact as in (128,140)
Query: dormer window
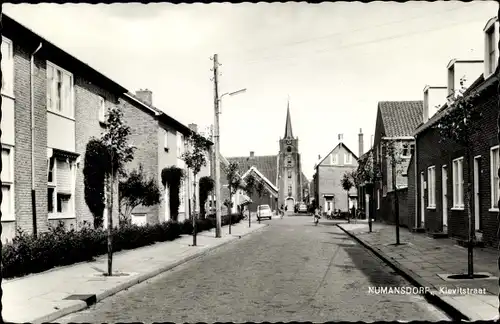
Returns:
(491,50)
(490,35)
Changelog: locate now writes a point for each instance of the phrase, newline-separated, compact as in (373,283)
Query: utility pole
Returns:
(218,210)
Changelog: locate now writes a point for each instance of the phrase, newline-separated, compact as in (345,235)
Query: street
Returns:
(290,271)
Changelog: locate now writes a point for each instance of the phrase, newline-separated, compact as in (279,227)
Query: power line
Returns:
(327,36)
(338,48)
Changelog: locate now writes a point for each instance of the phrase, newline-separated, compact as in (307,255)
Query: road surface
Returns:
(290,271)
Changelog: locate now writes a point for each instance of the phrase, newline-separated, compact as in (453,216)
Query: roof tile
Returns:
(400,118)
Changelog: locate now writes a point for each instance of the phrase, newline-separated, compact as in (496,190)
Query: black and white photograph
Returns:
(250,162)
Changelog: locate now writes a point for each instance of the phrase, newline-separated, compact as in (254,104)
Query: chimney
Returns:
(360,143)
(193,127)
(251,153)
(319,157)
(469,70)
(340,137)
(145,96)
(434,98)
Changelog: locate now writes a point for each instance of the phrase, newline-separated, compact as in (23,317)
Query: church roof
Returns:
(288,125)
(267,165)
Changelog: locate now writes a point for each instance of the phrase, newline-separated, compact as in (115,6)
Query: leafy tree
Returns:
(195,158)
(94,177)
(249,188)
(171,178)
(119,152)
(137,190)
(206,186)
(234,183)
(347,182)
(366,174)
(459,121)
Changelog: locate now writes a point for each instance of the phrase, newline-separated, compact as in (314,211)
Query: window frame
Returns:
(458,179)
(8,59)
(493,175)
(166,141)
(347,158)
(102,110)
(54,214)
(491,49)
(431,187)
(10,183)
(49,103)
(378,199)
(335,158)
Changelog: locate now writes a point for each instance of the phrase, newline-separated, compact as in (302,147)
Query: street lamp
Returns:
(218,206)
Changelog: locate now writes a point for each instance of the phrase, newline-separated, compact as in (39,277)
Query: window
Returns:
(102,110)
(7,67)
(412,149)
(495,183)
(61,174)
(165,140)
(7,183)
(378,153)
(289,174)
(347,158)
(289,162)
(378,198)
(289,149)
(458,185)
(335,158)
(491,47)
(290,189)
(59,91)
(180,145)
(431,188)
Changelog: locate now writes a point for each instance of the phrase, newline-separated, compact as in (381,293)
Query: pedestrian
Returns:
(329,214)
(353,213)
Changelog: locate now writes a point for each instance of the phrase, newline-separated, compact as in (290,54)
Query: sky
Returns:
(332,61)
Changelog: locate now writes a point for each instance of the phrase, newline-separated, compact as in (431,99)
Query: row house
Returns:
(440,173)
(394,125)
(52,105)
(329,171)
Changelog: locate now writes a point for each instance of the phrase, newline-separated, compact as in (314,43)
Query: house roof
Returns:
(400,118)
(480,83)
(330,152)
(260,175)
(266,164)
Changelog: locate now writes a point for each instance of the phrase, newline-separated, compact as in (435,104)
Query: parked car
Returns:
(264,211)
(302,208)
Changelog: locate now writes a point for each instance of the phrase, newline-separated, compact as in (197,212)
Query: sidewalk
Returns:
(426,262)
(41,297)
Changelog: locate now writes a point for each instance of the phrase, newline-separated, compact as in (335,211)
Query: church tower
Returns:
(289,168)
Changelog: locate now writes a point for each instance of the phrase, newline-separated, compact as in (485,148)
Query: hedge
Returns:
(59,247)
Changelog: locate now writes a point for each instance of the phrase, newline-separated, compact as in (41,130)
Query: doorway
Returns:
(477,202)
(444,199)
(422,200)
(290,205)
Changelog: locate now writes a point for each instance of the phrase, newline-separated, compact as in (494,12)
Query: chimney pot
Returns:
(146,96)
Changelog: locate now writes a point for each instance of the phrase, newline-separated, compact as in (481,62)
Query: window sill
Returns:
(457,208)
(8,218)
(53,216)
(431,207)
(8,95)
(60,115)
(493,210)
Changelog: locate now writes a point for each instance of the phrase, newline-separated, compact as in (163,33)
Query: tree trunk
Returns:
(471,236)
(194,209)
(348,215)
(396,202)
(111,183)
(230,210)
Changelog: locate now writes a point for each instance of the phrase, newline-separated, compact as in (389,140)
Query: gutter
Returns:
(32,104)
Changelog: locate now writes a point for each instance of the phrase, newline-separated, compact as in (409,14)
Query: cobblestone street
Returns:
(290,271)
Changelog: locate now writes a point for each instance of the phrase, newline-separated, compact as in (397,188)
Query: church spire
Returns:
(288,126)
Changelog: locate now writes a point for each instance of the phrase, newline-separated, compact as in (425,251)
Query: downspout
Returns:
(416,183)
(32,104)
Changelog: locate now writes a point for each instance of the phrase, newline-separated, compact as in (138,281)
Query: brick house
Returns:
(329,172)
(395,123)
(441,175)
(52,104)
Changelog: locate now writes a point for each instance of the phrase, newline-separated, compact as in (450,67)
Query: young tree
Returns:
(393,153)
(458,123)
(171,178)
(260,189)
(94,178)
(137,190)
(366,174)
(233,184)
(250,183)
(119,152)
(347,182)
(206,186)
(195,157)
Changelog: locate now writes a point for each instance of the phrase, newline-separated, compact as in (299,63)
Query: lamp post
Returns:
(218,210)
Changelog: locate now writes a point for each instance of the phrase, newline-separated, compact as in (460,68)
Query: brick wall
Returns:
(387,210)
(411,194)
(144,136)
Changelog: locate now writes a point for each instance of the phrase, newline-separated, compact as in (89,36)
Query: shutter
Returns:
(63,177)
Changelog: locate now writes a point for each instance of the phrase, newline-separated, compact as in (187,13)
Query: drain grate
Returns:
(88,299)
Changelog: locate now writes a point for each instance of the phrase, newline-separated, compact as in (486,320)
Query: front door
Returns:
(289,205)
(422,199)
(477,203)
(444,173)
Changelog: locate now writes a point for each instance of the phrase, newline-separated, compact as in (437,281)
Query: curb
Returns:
(413,278)
(83,305)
